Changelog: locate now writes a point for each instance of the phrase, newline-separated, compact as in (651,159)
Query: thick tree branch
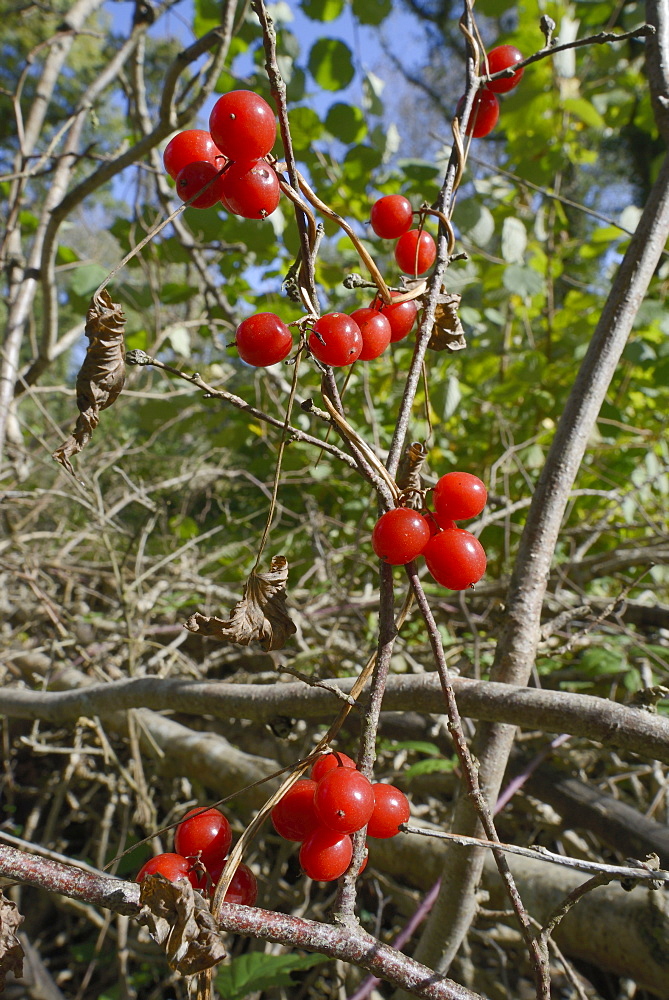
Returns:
(608,722)
(348,945)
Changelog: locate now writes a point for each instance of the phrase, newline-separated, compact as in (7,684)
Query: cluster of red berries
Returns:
(201,844)
(391,219)
(336,338)
(227,164)
(455,558)
(322,811)
(485,110)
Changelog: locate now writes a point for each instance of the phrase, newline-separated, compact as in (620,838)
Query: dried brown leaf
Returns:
(101,376)
(408,473)
(448,333)
(261,615)
(179,920)
(11,952)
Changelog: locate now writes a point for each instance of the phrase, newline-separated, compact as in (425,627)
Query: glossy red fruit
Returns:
(433,523)
(484,113)
(503,57)
(458,496)
(263,339)
(193,145)
(391,807)
(251,189)
(243,125)
(455,558)
(172,866)
(243,889)
(294,816)
(336,340)
(400,535)
(329,761)
(415,252)
(375,331)
(196,177)
(205,832)
(344,800)
(326,854)
(391,216)
(400,315)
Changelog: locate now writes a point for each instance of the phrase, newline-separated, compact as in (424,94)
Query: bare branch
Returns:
(608,722)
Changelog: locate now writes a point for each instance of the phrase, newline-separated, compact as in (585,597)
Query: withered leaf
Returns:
(261,615)
(448,333)
(101,376)
(11,952)
(408,473)
(179,920)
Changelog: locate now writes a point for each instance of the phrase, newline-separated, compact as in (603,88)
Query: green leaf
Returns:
(430,766)
(305,127)
(585,111)
(522,281)
(372,88)
(360,161)
(322,10)
(66,255)
(85,279)
(180,340)
(475,221)
(257,971)
(514,240)
(137,341)
(173,292)
(418,170)
(371,11)
(346,123)
(331,64)
(598,660)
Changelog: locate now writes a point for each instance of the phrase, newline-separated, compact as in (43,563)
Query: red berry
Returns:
(484,114)
(400,315)
(344,800)
(263,339)
(243,125)
(196,176)
(433,524)
(375,331)
(400,535)
(294,816)
(326,854)
(503,57)
(391,216)
(391,807)
(458,496)
(415,252)
(243,889)
(172,866)
(455,558)
(251,189)
(188,147)
(336,339)
(205,832)
(329,761)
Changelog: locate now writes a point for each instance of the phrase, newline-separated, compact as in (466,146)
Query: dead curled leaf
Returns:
(261,615)
(408,474)
(179,920)
(101,376)
(11,952)
(448,332)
